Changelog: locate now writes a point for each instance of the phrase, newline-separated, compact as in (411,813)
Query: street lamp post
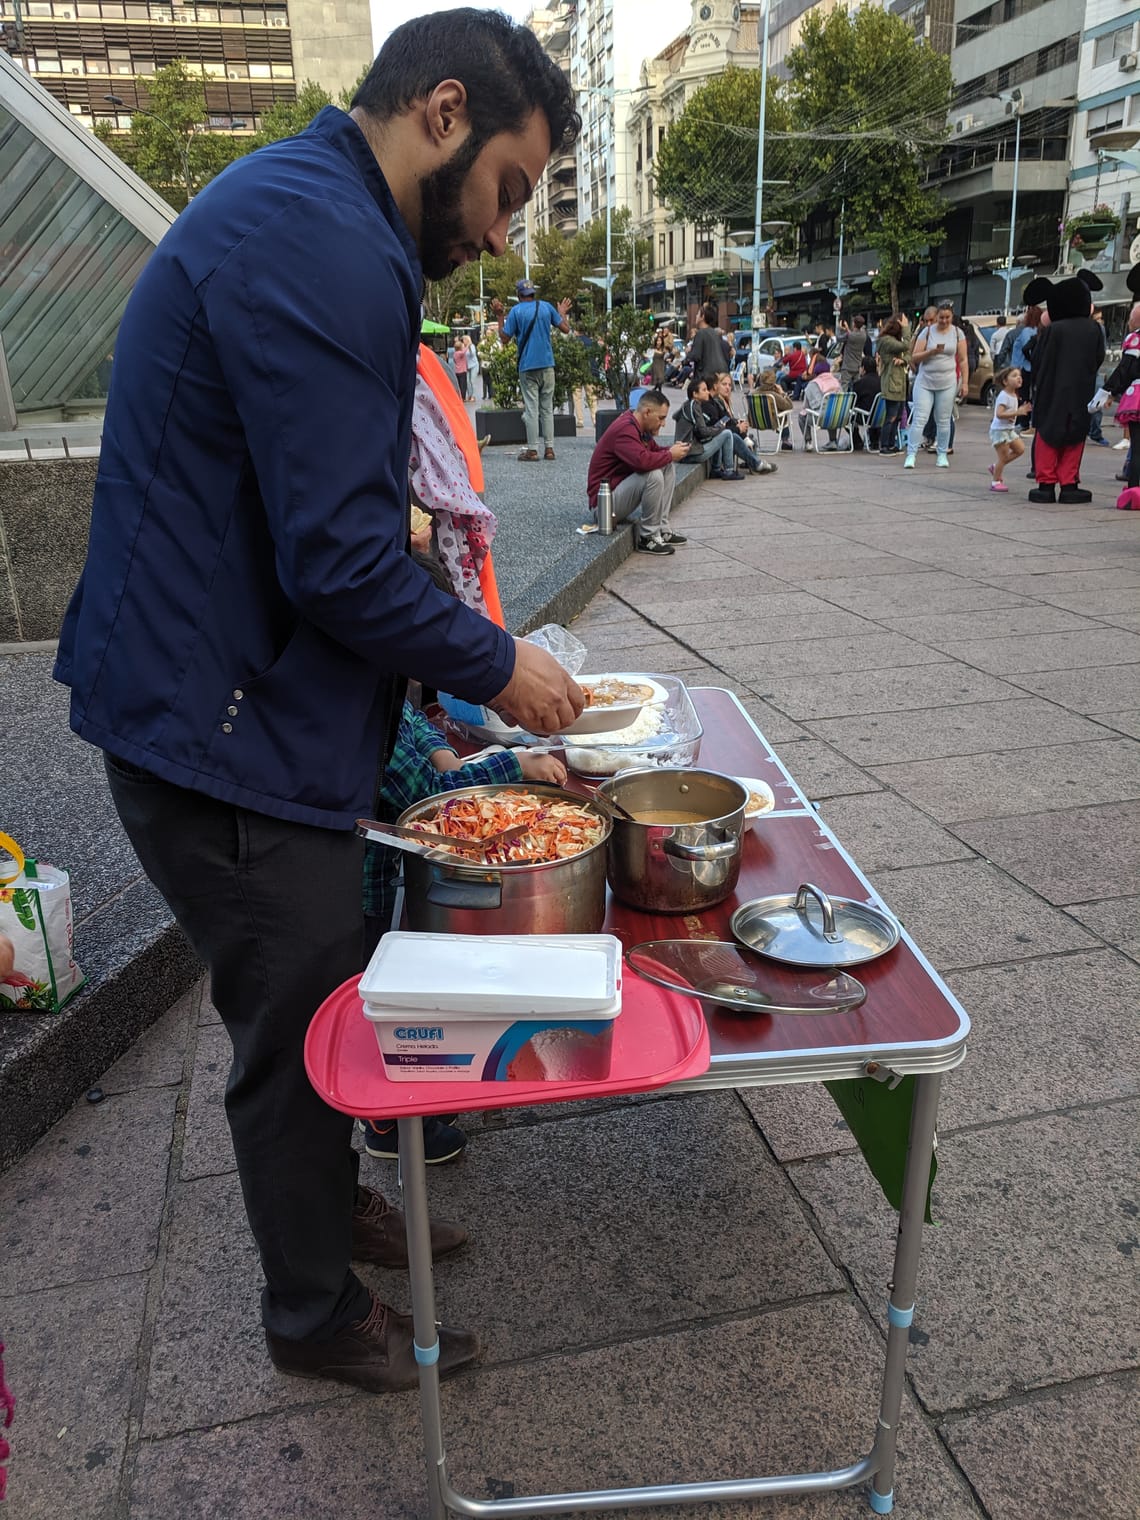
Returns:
(758,230)
(117,100)
(1013,104)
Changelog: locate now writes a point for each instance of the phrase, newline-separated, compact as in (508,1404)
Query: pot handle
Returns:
(447,891)
(830,933)
(720,851)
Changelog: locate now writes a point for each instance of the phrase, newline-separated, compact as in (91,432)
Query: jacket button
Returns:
(227,728)
(238,694)
(232,711)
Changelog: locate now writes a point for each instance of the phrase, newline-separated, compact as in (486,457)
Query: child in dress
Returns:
(1004,436)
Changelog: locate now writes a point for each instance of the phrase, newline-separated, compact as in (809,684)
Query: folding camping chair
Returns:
(764,417)
(870,421)
(834,416)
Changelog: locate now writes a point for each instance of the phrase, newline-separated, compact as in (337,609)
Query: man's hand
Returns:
(679,451)
(540,696)
(564,306)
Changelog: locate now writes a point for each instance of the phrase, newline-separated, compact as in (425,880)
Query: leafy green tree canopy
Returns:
(868,101)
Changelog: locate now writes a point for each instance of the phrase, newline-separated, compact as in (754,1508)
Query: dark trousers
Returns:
(1133,461)
(274,910)
(889,437)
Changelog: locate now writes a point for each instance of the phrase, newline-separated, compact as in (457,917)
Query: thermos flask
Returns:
(605,508)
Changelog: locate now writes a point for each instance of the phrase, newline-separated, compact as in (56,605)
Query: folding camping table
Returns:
(910,1024)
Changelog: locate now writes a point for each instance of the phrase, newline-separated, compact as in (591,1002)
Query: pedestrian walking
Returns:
(461,362)
(891,355)
(1004,437)
(530,325)
(940,354)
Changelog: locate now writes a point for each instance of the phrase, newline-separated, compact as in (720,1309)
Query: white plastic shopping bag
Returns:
(35,914)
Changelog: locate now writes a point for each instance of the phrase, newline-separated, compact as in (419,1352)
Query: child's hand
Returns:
(542,768)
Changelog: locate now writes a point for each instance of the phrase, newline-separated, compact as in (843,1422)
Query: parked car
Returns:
(981,387)
(774,346)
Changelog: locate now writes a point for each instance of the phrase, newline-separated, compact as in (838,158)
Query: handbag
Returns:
(1128,409)
(35,914)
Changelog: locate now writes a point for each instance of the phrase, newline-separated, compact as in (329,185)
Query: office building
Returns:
(251,55)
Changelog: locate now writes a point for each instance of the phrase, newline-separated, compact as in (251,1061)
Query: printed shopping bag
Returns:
(35,914)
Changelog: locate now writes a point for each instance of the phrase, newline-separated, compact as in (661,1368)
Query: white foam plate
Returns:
(762,789)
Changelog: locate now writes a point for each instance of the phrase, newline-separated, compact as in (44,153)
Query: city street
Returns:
(686,1287)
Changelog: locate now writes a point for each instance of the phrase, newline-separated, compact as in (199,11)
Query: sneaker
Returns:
(727,475)
(927,446)
(790,447)
(672,538)
(830,448)
(1121,475)
(652,546)
(1101,443)
(377,1353)
(998,485)
(908,462)
(443,1141)
(943,462)
(764,467)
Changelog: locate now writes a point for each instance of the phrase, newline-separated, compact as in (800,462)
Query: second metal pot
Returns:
(675,867)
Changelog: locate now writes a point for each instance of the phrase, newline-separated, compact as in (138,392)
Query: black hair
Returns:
(503,68)
(653,398)
(867,365)
(710,314)
(694,385)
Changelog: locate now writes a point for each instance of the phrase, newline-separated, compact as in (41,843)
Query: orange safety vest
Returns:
(451,404)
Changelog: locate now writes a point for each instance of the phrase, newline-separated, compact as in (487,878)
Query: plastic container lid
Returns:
(512,975)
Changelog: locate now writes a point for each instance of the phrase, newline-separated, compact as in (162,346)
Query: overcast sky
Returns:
(389,14)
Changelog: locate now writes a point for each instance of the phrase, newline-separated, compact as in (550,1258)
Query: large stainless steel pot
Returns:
(554,897)
(675,867)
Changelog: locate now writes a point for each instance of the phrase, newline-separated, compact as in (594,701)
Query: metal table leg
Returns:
(879,1465)
(413,1181)
(900,1304)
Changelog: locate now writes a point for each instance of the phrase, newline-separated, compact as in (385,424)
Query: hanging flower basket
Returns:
(1089,231)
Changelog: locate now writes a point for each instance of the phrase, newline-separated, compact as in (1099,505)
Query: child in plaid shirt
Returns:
(422,764)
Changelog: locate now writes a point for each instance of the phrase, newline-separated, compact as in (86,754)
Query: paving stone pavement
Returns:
(676,1287)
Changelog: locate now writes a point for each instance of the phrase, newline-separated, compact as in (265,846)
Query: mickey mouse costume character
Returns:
(1069,353)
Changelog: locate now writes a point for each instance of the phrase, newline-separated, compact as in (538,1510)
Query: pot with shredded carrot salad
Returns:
(559,828)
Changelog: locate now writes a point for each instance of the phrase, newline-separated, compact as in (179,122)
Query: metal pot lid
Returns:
(715,971)
(808,928)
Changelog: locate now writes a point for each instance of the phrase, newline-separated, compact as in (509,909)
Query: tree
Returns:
(169,145)
(285,118)
(868,104)
(706,166)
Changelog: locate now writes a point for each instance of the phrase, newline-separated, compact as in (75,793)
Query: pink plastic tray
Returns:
(660,1037)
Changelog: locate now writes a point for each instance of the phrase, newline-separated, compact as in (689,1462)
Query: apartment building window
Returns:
(703,248)
(661,250)
(670,248)
(1112,45)
(682,245)
(649,141)
(1104,118)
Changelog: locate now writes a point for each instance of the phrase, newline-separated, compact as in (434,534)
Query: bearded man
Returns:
(239,642)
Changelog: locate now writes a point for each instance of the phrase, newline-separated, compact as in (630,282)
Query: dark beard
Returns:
(441,226)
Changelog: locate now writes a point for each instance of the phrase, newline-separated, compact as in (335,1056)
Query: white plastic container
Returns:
(494,1008)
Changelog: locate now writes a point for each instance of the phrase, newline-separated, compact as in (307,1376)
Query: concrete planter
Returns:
(505,427)
(604,417)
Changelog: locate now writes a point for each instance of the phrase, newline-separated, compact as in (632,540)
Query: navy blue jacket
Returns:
(248,611)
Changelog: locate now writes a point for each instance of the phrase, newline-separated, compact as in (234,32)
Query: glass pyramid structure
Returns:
(76,227)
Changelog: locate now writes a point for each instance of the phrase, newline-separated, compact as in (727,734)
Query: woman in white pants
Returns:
(940,357)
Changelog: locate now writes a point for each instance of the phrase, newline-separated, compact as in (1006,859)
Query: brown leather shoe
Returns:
(549,454)
(376,1354)
(378,1233)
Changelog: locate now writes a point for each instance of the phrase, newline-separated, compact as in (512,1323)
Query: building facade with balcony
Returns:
(688,262)
(554,205)
(1107,121)
(1013,60)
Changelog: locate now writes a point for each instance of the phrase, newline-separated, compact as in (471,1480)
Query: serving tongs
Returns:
(717,972)
(413,840)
